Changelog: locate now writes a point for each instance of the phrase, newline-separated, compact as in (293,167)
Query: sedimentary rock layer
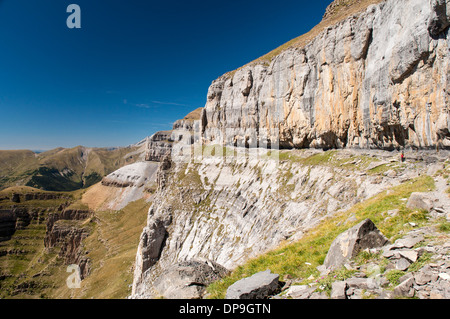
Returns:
(378,79)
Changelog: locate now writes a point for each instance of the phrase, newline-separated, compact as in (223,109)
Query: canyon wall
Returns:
(228,212)
(378,79)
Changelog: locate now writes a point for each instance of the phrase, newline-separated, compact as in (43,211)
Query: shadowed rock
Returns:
(348,244)
(188,280)
(258,286)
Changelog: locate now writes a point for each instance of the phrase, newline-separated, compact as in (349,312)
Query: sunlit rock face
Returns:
(378,79)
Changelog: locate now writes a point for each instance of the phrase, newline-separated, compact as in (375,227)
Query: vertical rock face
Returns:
(161,143)
(439,19)
(151,244)
(7,224)
(64,232)
(378,79)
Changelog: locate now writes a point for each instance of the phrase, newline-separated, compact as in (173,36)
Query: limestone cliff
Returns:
(161,143)
(376,79)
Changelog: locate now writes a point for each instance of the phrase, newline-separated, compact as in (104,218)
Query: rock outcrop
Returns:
(351,242)
(161,143)
(377,79)
(259,286)
(68,237)
(19,217)
(64,230)
(123,186)
(134,175)
(7,224)
(188,280)
(440,17)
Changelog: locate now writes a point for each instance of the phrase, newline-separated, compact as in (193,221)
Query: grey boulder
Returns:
(188,280)
(423,201)
(349,243)
(259,286)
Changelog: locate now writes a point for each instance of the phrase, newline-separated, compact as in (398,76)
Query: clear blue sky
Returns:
(133,68)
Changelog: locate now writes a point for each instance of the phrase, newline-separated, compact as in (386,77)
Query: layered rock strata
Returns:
(230,212)
(378,79)
(65,231)
(183,133)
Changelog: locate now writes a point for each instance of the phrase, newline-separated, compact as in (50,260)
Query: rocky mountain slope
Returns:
(97,229)
(376,78)
(361,262)
(228,213)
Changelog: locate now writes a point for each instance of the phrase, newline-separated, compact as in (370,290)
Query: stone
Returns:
(318,295)
(423,294)
(410,255)
(384,295)
(382,281)
(405,277)
(391,173)
(420,201)
(444,276)
(422,277)
(405,289)
(434,168)
(300,291)
(349,243)
(259,286)
(407,242)
(323,270)
(402,264)
(188,280)
(361,283)
(388,253)
(338,289)
(356,293)
(436,295)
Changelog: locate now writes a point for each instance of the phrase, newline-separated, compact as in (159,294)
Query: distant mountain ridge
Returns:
(64,169)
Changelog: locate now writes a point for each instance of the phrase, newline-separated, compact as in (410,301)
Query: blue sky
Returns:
(133,68)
